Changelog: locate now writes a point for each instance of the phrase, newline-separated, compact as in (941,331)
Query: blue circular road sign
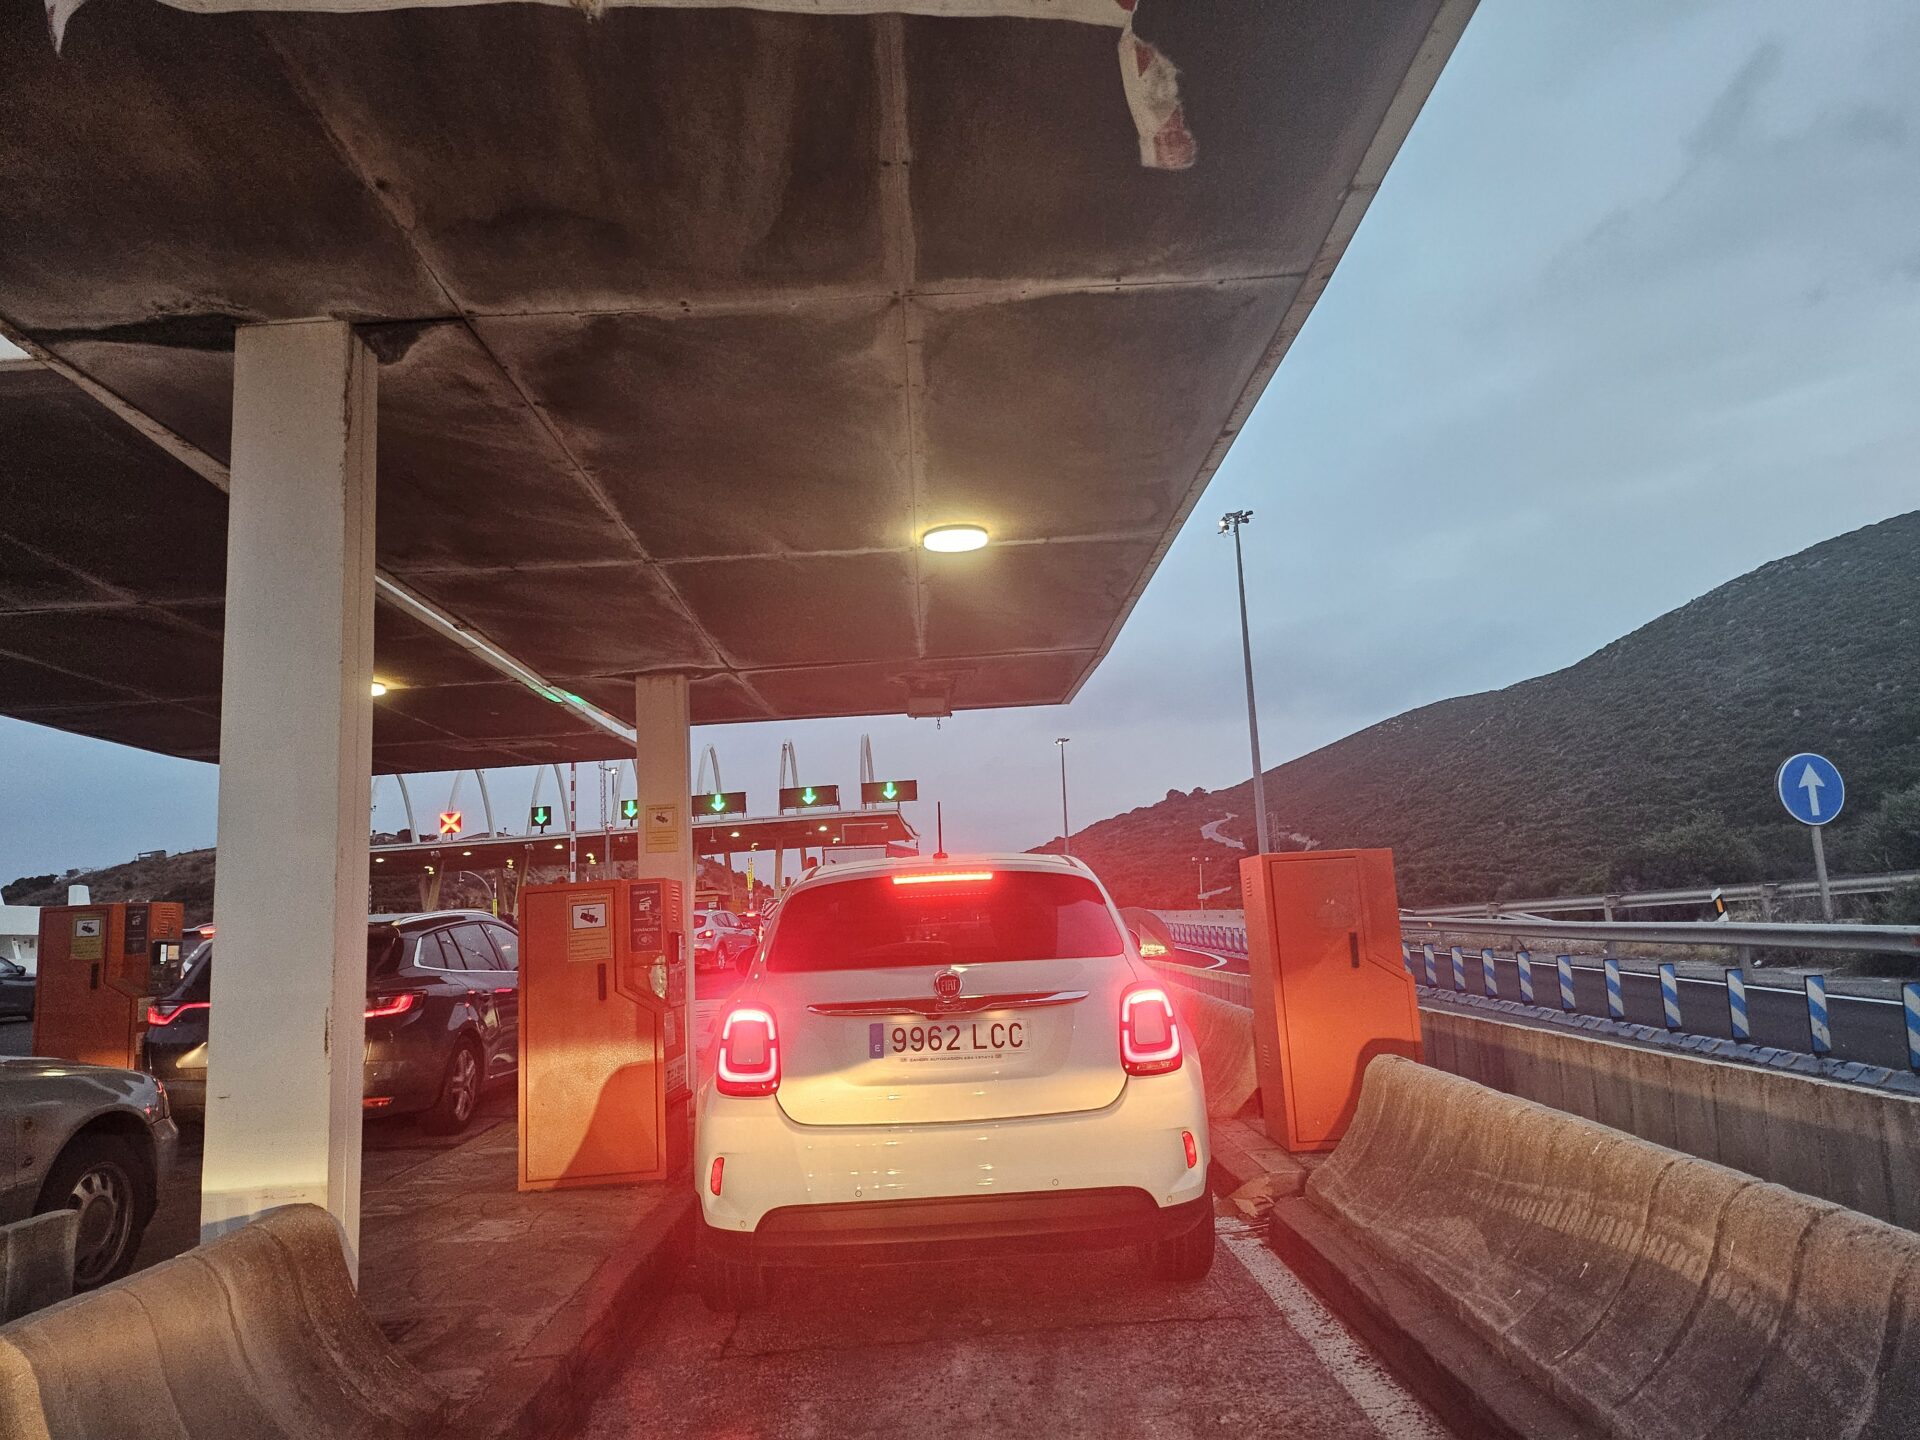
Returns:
(1811,788)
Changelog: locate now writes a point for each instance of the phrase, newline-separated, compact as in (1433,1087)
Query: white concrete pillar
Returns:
(662,760)
(296,725)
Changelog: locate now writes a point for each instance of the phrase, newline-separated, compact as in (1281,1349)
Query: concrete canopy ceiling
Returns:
(690,322)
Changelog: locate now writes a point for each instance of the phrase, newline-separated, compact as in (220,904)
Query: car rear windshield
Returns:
(196,984)
(870,924)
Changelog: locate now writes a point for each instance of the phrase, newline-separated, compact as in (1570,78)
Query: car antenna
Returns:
(939,833)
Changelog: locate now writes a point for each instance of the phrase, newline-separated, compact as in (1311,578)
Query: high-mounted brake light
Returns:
(157,1016)
(749,1058)
(393,1005)
(1149,1035)
(943,877)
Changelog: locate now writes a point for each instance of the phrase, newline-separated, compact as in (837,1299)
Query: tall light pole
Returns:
(1200,897)
(1231,523)
(1066,841)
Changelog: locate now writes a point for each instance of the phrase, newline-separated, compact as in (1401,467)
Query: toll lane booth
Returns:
(603,1032)
(99,967)
(1330,991)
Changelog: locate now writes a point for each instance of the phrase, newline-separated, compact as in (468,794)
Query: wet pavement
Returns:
(1068,1345)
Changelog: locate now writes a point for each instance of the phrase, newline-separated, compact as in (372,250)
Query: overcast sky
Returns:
(1637,310)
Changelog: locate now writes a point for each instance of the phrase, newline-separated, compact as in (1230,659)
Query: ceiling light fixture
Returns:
(953,539)
(377,689)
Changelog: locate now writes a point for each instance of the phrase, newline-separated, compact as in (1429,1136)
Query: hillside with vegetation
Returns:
(1648,764)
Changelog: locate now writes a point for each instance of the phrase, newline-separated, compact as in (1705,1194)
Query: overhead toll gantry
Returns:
(666,342)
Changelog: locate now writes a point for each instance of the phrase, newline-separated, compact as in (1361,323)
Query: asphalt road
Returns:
(1056,1346)
(16,1037)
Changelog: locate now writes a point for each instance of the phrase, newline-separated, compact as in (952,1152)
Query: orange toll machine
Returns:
(1330,991)
(603,1031)
(97,971)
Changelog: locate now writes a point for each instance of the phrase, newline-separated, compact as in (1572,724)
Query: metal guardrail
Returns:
(1558,973)
(1225,939)
(1860,939)
(1765,893)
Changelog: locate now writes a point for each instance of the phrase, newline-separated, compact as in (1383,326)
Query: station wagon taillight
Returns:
(166,1015)
(749,1059)
(1149,1035)
(385,1007)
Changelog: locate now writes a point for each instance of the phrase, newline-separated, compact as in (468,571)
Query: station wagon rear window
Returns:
(968,918)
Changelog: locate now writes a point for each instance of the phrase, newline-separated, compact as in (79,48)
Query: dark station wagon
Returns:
(443,1018)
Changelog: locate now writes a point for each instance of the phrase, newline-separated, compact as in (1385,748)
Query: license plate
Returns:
(934,1040)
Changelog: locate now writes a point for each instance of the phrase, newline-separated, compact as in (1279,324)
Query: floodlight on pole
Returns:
(1066,842)
(1230,523)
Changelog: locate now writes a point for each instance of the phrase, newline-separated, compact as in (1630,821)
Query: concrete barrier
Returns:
(1856,1146)
(1221,1033)
(36,1262)
(257,1335)
(1654,1294)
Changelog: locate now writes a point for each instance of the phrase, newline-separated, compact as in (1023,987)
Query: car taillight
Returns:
(706,934)
(717,1174)
(385,1007)
(166,1015)
(1149,1036)
(749,1060)
(1192,1148)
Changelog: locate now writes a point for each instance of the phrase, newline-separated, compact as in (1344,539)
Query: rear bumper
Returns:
(774,1165)
(405,1078)
(187,1099)
(952,1226)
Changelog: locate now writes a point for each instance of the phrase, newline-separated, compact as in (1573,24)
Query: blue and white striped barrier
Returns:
(1818,1025)
(1616,1002)
(1737,1005)
(1564,964)
(1489,978)
(1459,969)
(1523,962)
(1670,995)
(1910,997)
(1406,960)
(1433,977)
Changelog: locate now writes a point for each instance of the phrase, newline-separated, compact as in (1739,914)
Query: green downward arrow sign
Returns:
(717,804)
(806,796)
(890,790)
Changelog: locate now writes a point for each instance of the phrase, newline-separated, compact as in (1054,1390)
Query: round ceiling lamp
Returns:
(953,539)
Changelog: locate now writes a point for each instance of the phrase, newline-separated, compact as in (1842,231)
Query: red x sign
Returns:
(450,822)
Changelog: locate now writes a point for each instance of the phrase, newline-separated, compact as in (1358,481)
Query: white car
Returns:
(930,1057)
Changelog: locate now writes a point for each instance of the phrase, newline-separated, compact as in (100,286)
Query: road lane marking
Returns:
(1393,1411)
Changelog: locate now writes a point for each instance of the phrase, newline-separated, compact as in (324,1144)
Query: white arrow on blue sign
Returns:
(1811,788)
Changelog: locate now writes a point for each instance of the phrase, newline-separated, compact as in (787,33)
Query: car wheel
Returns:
(1184,1258)
(101,1177)
(729,1286)
(459,1093)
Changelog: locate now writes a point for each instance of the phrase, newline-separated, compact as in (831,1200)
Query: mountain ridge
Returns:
(1541,786)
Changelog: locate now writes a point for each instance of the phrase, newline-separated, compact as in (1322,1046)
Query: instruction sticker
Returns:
(663,829)
(589,928)
(89,937)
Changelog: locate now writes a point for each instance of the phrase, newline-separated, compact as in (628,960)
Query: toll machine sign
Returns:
(721,802)
(810,797)
(888,792)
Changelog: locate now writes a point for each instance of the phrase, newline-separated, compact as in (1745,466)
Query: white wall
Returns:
(20,933)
